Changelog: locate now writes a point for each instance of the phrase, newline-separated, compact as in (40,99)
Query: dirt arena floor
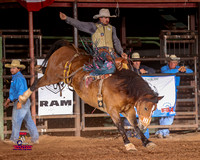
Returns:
(179,147)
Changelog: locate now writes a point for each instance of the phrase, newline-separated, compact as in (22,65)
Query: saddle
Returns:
(119,62)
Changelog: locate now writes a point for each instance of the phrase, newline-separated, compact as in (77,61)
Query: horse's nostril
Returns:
(146,109)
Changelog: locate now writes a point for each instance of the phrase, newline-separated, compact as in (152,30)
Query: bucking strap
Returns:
(67,69)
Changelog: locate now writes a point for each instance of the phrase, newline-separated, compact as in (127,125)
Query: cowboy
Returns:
(171,67)
(104,38)
(138,68)
(20,112)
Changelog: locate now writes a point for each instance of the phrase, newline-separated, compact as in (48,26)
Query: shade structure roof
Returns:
(122,3)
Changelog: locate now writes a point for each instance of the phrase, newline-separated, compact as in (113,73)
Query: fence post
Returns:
(1,94)
(77,99)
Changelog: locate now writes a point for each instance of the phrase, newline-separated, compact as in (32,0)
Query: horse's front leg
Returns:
(131,116)
(145,141)
(120,126)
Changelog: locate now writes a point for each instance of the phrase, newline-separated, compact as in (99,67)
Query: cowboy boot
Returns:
(23,98)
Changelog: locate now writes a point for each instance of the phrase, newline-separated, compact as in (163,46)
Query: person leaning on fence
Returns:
(20,112)
(139,69)
(103,37)
(171,67)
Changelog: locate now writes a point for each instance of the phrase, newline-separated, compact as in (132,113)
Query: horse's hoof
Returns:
(22,99)
(151,145)
(130,147)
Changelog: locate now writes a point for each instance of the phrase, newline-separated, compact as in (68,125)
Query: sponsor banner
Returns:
(164,86)
(49,100)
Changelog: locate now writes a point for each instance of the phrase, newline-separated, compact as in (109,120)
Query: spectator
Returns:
(171,67)
(20,112)
(139,69)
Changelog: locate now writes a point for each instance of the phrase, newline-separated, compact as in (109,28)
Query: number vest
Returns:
(103,36)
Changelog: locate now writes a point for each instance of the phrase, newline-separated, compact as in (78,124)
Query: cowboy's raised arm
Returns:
(88,27)
(117,44)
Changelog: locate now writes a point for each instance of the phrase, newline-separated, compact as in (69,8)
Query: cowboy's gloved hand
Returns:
(124,55)
(6,104)
(63,16)
(19,105)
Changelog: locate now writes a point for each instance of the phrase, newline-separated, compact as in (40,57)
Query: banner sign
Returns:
(49,100)
(35,5)
(164,86)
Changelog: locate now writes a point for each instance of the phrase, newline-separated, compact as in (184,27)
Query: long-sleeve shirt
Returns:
(146,68)
(90,27)
(18,86)
(166,69)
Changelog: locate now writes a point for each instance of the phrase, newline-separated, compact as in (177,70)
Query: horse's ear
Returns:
(160,97)
(156,99)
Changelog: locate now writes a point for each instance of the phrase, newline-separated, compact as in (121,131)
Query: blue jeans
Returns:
(18,115)
(165,121)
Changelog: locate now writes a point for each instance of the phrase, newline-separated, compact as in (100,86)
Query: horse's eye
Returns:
(145,108)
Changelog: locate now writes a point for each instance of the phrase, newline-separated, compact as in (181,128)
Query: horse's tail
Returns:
(58,44)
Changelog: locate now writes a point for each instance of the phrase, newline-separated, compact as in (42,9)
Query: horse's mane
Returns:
(58,44)
(133,84)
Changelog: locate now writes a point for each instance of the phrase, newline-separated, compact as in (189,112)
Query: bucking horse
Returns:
(121,92)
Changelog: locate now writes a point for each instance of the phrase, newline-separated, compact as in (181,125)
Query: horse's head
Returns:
(145,107)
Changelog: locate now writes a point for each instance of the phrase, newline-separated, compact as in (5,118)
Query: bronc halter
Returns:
(146,121)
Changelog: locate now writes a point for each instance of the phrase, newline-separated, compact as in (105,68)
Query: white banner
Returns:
(49,100)
(164,86)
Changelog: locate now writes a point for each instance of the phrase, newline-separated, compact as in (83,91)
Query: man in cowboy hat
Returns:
(137,67)
(20,112)
(171,67)
(103,34)
(103,37)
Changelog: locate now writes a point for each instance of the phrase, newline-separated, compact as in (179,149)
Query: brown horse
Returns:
(121,91)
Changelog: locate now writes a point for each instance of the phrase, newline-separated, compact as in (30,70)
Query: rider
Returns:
(104,38)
